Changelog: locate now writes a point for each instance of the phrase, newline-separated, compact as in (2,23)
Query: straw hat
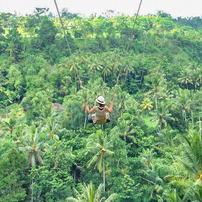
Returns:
(100,100)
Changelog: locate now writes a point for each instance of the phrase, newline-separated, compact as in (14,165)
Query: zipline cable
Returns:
(75,68)
(117,80)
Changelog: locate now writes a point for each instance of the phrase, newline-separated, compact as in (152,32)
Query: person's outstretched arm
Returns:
(89,110)
(110,109)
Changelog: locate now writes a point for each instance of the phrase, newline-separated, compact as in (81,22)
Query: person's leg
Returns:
(93,117)
(107,117)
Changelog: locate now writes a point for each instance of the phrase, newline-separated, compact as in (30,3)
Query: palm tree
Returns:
(167,135)
(20,133)
(199,78)
(148,156)
(73,63)
(182,101)
(158,85)
(128,67)
(147,104)
(115,60)
(89,194)
(126,130)
(194,193)
(172,196)
(192,158)
(106,64)
(102,87)
(124,100)
(33,146)
(100,146)
(94,62)
(185,77)
(52,126)
(11,49)
(106,70)
(9,124)
(51,120)
(162,115)
(192,102)
(195,77)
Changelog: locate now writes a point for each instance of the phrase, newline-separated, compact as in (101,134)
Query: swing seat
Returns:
(91,118)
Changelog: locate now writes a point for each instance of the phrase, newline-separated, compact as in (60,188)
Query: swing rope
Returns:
(131,38)
(75,68)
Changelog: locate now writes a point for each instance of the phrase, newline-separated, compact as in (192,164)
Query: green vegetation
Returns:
(151,151)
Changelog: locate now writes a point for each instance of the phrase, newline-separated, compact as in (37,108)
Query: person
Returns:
(101,115)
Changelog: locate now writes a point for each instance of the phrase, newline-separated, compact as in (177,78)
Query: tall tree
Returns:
(2,40)
(99,145)
(13,180)
(47,32)
(14,45)
(185,78)
(191,158)
(162,115)
(33,146)
(126,130)
(157,84)
(182,101)
(89,194)
(147,105)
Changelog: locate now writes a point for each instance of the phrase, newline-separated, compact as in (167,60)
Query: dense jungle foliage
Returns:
(152,148)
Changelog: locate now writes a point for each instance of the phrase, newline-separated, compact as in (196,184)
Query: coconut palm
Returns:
(147,104)
(95,89)
(20,133)
(126,131)
(182,101)
(124,100)
(89,194)
(99,145)
(94,63)
(33,146)
(192,102)
(51,120)
(192,158)
(195,77)
(194,193)
(128,67)
(9,124)
(167,135)
(157,82)
(115,60)
(199,78)
(52,126)
(107,65)
(172,196)
(101,86)
(148,156)
(185,76)
(162,115)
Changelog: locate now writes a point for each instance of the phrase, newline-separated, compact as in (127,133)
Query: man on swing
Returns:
(101,116)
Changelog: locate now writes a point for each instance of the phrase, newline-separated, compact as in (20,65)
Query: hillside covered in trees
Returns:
(151,151)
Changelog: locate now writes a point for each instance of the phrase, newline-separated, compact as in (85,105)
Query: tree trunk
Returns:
(156,100)
(192,117)
(200,127)
(141,78)
(125,144)
(32,199)
(103,174)
(75,81)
